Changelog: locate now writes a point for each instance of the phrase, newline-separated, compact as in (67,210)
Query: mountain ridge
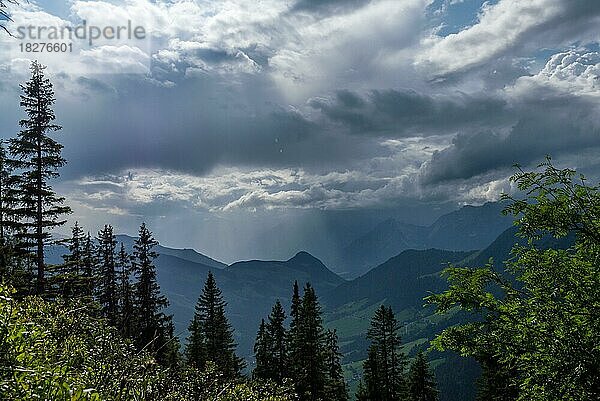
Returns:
(470,227)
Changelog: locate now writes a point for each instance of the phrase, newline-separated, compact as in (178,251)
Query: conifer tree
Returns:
(371,376)
(37,157)
(126,312)
(271,347)
(262,370)
(361,392)
(277,335)
(70,280)
(7,195)
(8,221)
(15,260)
(211,335)
(88,265)
(153,329)
(107,275)
(335,385)
(294,340)
(310,366)
(421,383)
(385,366)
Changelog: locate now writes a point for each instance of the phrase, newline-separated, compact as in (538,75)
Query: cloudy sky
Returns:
(238,119)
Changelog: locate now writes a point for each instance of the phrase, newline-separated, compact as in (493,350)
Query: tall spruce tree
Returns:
(38,157)
(310,365)
(88,266)
(371,376)
(262,356)
(271,347)
(126,311)
(211,336)
(107,294)
(385,366)
(293,339)
(335,384)
(153,328)
(278,350)
(70,280)
(421,383)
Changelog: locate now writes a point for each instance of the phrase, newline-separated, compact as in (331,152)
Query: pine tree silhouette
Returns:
(37,157)
(107,275)
(262,356)
(383,370)
(335,385)
(421,383)
(70,280)
(278,350)
(211,335)
(154,330)
(126,312)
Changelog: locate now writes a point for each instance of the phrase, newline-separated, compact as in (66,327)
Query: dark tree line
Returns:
(306,354)
(385,375)
(211,336)
(122,288)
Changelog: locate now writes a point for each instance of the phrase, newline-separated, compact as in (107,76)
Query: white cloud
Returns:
(363,45)
(571,72)
(509,25)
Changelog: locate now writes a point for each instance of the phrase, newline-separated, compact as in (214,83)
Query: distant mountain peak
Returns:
(304,256)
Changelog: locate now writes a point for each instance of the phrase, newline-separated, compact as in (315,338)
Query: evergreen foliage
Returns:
(106,291)
(421,383)
(37,157)
(55,351)
(335,385)
(8,218)
(88,265)
(306,355)
(211,336)
(154,330)
(263,369)
(384,368)
(310,364)
(8,198)
(126,311)
(70,278)
(271,347)
(278,347)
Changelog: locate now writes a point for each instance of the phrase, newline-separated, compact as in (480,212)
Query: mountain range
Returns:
(469,228)
(395,264)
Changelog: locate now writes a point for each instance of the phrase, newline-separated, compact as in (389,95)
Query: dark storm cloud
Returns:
(195,127)
(556,126)
(402,113)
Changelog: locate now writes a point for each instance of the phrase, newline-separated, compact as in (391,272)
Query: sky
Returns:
(253,128)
